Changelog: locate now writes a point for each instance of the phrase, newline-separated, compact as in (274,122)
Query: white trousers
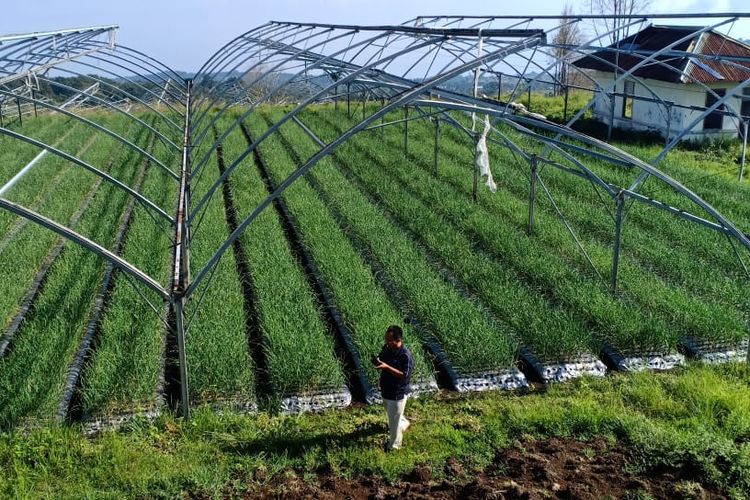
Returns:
(397,423)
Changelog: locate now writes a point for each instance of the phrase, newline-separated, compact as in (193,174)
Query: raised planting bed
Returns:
(550,335)
(471,341)
(125,374)
(221,366)
(540,260)
(292,347)
(359,292)
(33,375)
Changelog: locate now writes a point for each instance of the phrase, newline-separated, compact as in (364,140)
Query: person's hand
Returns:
(382,366)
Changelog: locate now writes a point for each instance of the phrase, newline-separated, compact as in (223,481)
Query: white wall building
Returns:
(670,95)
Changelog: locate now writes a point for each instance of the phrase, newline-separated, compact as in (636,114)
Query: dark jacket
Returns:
(392,387)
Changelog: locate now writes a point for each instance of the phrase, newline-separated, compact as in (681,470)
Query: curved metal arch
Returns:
(204,132)
(205,158)
(403,99)
(115,55)
(109,105)
(96,126)
(110,85)
(86,243)
(156,64)
(224,57)
(157,96)
(49,49)
(204,70)
(230,56)
(207,196)
(296,52)
(99,173)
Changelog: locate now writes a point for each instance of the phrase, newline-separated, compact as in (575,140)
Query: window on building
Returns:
(627,99)
(745,108)
(714,120)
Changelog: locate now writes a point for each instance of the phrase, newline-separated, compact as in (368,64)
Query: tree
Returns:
(616,27)
(568,34)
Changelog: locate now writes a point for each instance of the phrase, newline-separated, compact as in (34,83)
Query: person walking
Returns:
(395,363)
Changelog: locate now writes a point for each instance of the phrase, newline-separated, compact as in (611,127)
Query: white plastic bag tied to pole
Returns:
(482,157)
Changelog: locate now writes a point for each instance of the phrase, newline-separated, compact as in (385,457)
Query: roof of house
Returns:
(683,64)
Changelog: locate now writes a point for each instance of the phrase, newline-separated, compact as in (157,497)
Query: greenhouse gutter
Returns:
(181,271)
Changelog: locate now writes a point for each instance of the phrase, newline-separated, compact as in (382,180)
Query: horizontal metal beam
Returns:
(44,34)
(417,30)
(675,211)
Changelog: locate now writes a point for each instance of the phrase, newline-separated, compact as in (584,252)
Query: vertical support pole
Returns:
(475,185)
(364,105)
(742,158)
(348,101)
(499,85)
(336,97)
(182,356)
(669,123)
(528,98)
(611,115)
(619,206)
(33,96)
(436,148)
(406,130)
(18,105)
(382,117)
(565,106)
(533,162)
(1,114)
(181,270)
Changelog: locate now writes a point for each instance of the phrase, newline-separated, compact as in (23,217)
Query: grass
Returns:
(693,419)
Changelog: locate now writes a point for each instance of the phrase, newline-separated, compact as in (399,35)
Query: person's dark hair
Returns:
(396,331)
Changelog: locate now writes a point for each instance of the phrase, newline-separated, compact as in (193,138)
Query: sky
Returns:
(183,34)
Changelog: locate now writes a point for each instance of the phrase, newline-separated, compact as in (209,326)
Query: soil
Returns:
(549,469)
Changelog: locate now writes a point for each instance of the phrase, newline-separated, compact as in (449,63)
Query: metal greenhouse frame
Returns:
(406,67)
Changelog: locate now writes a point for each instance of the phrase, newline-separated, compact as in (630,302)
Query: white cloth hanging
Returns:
(482,156)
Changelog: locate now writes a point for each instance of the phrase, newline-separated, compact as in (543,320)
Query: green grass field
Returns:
(693,420)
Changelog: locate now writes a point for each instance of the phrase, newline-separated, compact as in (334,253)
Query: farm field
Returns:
(371,236)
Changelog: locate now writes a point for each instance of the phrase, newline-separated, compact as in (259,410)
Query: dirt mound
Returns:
(554,468)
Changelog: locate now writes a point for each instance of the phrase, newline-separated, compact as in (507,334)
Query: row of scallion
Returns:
(300,352)
(126,368)
(32,376)
(682,272)
(365,307)
(523,309)
(221,368)
(676,308)
(471,339)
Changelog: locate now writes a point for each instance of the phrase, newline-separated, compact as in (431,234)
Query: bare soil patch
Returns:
(548,469)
